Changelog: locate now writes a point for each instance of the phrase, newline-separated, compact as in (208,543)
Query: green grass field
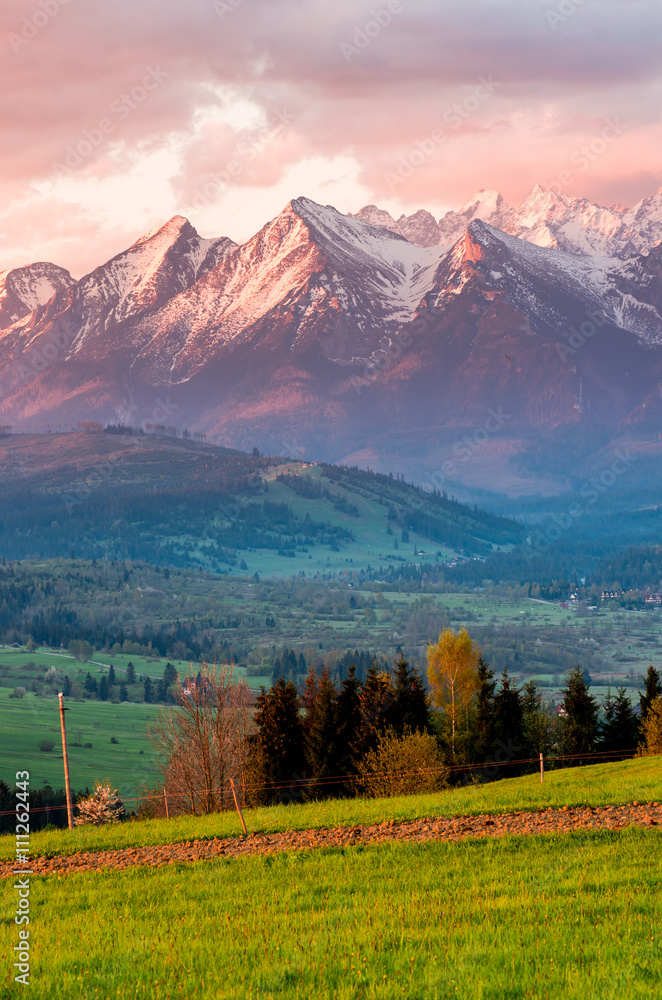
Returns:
(601,784)
(571,916)
(24,722)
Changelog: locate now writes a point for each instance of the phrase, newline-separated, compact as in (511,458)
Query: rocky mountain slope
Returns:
(359,337)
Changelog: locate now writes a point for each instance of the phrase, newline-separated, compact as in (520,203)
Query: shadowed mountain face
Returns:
(337,337)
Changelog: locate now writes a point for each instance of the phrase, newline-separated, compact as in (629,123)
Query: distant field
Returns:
(24,722)
(601,784)
(565,916)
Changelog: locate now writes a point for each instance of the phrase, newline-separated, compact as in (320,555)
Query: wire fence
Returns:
(302,782)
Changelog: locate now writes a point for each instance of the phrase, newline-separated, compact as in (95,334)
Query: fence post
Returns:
(236,802)
(65,758)
(165,798)
(541,769)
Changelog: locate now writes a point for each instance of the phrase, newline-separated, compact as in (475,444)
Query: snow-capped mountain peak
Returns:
(24,289)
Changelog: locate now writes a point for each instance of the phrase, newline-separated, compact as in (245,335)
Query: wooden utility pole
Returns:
(541,769)
(67,784)
(236,802)
(165,799)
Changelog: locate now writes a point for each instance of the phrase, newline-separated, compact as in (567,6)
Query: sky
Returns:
(118,114)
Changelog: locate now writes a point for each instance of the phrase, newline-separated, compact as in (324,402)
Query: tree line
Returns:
(317,740)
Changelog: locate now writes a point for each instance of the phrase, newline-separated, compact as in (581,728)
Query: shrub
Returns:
(651,730)
(402,765)
(46,745)
(102,806)
(18,692)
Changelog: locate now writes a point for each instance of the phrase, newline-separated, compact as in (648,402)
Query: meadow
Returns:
(558,916)
(600,784)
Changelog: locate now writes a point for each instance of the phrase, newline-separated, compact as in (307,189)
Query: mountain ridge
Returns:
(332,333)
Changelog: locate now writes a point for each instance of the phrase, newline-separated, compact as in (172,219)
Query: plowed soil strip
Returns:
(563,820)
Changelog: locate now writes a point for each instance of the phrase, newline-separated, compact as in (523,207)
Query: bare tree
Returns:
(202,741)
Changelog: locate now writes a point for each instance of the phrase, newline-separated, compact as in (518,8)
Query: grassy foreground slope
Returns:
(601,784)
(570,916)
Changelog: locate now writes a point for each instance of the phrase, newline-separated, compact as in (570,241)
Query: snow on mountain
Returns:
(645,221)
(156,267)
(545,218)
(312,275)
(420,229)
(23,289)
(552,286)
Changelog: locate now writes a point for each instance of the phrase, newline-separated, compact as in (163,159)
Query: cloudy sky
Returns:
(117,114)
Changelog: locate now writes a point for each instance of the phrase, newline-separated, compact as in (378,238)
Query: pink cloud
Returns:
(556,85)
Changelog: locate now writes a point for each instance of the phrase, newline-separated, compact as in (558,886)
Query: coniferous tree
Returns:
(539,724)
(124,694)
(66,686)
(170,675)
(579,729)
(148,693)
(91,684)
(323,748)
(484,718)
(652,690)
(376,698)
(620,730)
(130,673)
(111,676)
(350,724)
(104,688)
(509,721)
(279,742)
(410,703)
(308,700)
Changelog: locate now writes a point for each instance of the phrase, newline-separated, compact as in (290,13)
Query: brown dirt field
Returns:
(564,820)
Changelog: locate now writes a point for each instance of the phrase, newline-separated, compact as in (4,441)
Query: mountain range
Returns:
(512,350)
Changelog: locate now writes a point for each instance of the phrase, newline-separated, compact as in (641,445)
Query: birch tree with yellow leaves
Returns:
(453,676)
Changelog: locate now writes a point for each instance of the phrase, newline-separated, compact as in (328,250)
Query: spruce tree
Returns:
(652,690)
(130,673)
(111,676)
(509,721)
(484,718)
(323,748)
(170,675)
(124,694)
(580,722)
(104,688)
(308,700)
(280,741)
(376,699)
(621,726)
(410,704)
(350,724)
(148,693)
